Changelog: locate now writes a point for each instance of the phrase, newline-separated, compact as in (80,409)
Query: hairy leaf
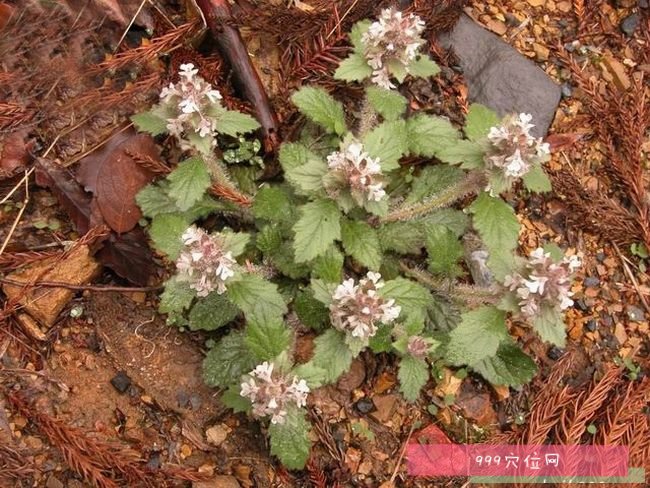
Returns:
(413,374)
(468,154)
(176,297)
(361,242)
(537,180)
(150,123)
(427,135)
(272,203)
(550,326)
(259,299)
(332,354)
(412,297)
(188,182)
(444,250)
(294,154)
(316,229)
(431,180)
(290,440)
(388,142)
(235,242)
(423,67)
(478,336)
(308,178)
(509,367)
(321,108)
(329,266)
(154,200)
(228,361)
(232,399)
(234,123)
(268,339)
(310,311)
(480,120)
(212,312)
(388,103)
(353,68)
(166,231)
(401,237)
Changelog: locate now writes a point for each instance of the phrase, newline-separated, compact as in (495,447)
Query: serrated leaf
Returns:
(272,203)
(388,103)
(269,239)
(388,142)
(290,440)
(285,261)
(431,180)
(510,366)
(382,340)
(166,231)
(235,242)
(332,354)
(259,299)
(188,182)
(556,252)
(427,135)
(477,337)
(232,399)
(323,291)
(454,220)
(356,34)
(550,326)
(203,144)
(498,227)
(353,68)
(176,297)
(245,177)
(227,361)
(268,339)
(316,229)
(329,266)
(150,123)
(423,67)
(310,311)
(401,237)
(537,180)
(468,154)
(153,200)
(233,123)
(361,242)
(314,376)
(413,374)
(212,312)
(442,316)
(321,108)
(412,297)
(294,154)
(308,178)
(480,119)
(444,250)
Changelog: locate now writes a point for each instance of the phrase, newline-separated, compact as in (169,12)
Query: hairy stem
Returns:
(472,183)
(367,118)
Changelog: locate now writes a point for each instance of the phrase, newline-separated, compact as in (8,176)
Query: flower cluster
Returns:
(418,346)
(205,262)
(353,171)
(513,150)
(189,101)
(543,283)
(391,44)
(271,392)
(356,309)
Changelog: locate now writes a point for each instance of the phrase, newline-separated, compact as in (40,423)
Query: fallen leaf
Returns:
(15,150)
(385,405)
(129,256)
(562,141)
(476,406)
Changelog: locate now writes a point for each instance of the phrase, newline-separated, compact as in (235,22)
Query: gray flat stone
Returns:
(499,77)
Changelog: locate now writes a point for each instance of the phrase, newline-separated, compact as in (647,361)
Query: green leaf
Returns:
(412,297)
(431,180)
(307,178)
(382,341)
(423,67)
(310,311)
(454,220)
(477,337)
(226,362)
(509,367)
(290,440)
(328,266)
(203,144)
(388,142)
(294,154)
(361,242)
(268,339)
(469,154)
(148,122)
(323,291)
(232,399)
(233,123)
(480,120)
(444,250)
(413,374)
(556,252)
(177,296)
(428,135)
(401,237)
(166,231)
(314,376)
(388,103)
(498,227)
(153,200)
(272,203)
(235,242)
(442,315)
(316,229)
(550,326)
(356,34)
(269,239)
(537,180)
(332,354)
(188,182)
(285,261)
(321,108)
(212,312)
(353,68)
(259,299)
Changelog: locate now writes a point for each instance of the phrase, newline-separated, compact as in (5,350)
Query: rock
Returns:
(555,353)
(630,24)
(567,90)
(500,77)
(496,26)
(45,304)
(31,327)
(591,281)
(121,382)
(53,482)
(217,434)
(218,482)
(385,405)
(536,3)
(592,326)
(477,407)
(644,3)
(541,51)
(364,406)
(635,314)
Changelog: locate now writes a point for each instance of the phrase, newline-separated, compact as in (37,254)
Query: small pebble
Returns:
(365,405)
(591,326)
(581,305)
(600,256)
(555,353)
(635,313)
(512,21)
(567,90)
(121,382)
(591,281)
(630,24)
(644,3)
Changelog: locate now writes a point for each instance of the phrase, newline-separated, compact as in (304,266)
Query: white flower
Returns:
(394,39)
(204,262)
(271,392)
(352,170)
(543,282)
(356,309)
(513,150)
